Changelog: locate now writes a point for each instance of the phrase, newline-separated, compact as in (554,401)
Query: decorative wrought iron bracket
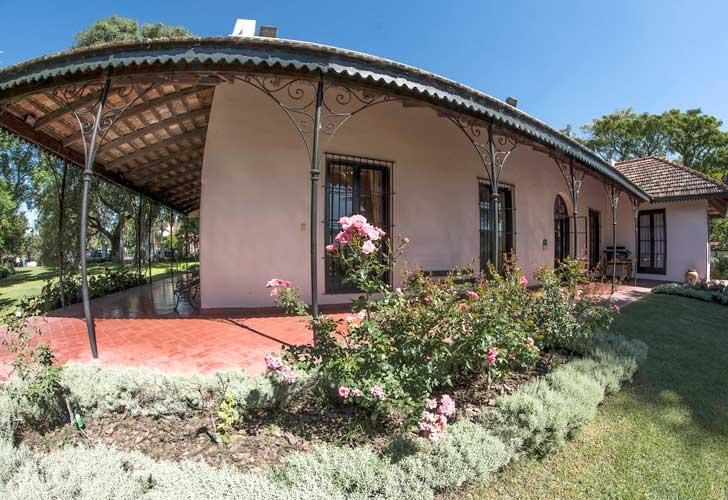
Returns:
(574,178)
(613,193)
(297,97)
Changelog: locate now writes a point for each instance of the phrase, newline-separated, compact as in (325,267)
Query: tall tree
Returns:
(624,135)
(696,139)
(119,28)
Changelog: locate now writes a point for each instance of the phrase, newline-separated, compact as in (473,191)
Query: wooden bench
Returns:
(188,289)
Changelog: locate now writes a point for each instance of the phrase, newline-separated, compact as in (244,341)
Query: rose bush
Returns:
(393,353)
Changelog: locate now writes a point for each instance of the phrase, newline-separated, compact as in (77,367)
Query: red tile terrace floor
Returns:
(139,327)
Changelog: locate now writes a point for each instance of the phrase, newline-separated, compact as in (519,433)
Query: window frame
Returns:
(510,219)
(336,287)
(652,269)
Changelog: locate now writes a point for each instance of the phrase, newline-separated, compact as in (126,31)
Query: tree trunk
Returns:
(117,248)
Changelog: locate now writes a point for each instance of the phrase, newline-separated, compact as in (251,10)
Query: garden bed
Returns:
(264,438)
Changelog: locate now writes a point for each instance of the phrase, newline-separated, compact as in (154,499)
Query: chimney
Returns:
(244,28)
(512,101)
(268,31)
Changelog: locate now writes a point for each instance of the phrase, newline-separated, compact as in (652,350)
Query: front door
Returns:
(595,229)
(561,230)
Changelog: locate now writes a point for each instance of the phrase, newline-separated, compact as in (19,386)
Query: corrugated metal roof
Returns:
(275,54)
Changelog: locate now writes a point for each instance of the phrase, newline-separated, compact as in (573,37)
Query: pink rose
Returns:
(492,356)
(471,295)
(343,238)
(428,299)
(287,374)
(431,404)
(368,247)
(356,393)
(617,309)
(330,248)
(405,240)
(446,408)
(344,392)
(448,341)
(378,392)
(273,362)
(530,341)
(523,281)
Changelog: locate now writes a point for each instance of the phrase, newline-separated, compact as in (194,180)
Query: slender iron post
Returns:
(61,213)
(315,173)
(171,244)
(88,170)
(613,201)
(574,201)
(494,201)
(139,236)
(149,242)
(636,213)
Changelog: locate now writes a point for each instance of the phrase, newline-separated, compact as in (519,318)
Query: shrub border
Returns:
(536,420)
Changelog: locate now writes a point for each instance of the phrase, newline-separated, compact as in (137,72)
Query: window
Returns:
(561,230)
(652,241)
(354,186)
(506,231)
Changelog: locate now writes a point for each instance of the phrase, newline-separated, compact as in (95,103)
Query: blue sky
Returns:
(566,61)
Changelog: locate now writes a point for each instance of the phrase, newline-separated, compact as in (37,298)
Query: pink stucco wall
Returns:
(255,196)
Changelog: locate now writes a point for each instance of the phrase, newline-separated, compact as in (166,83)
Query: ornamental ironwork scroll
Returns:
(297,98)
(96,117)
(574,178)
(493,148)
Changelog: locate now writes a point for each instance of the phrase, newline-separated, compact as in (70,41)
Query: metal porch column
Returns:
(315,173)
(88,170)
(494,202)
(574,202)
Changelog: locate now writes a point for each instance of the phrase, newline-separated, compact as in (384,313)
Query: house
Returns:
(269,142)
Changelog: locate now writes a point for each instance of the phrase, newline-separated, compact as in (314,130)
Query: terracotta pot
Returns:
(692,276)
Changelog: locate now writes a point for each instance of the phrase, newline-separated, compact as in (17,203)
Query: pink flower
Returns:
(428,299)
(344,392)
(373,232)
(448,341)
(431,404)
(471,295)
(378,392)
(273,362)
(278,283)
(492,356)
(530,341)
(356,393)
(287,374)
(398,291)
(523,281)
(446,408)
(368,247)
(343,238)
(616,308)
(361,314)
(330,248)
(405,240)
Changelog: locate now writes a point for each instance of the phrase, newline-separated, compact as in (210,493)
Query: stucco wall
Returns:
(687,232)
(255,196)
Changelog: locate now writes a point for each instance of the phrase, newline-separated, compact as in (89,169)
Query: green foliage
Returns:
(119,28)
(113,279)
(719,267)
(537,419)
(571,273)
(227,417)
(708,292)
(6,271)
(692,137)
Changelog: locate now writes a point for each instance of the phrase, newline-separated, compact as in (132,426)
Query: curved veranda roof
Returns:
(156,146)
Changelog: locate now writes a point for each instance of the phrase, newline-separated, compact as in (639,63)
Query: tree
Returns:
(625,135)
(697,140)
(118,28)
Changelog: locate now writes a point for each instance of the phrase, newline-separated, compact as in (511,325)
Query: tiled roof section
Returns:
(664,180)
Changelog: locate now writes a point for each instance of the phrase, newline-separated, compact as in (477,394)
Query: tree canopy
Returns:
(691,137)
(119,28)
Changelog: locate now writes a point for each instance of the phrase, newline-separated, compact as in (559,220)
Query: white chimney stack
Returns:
(244,27)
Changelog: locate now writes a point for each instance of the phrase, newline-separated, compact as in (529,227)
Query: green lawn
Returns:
(28,281)
(663,437)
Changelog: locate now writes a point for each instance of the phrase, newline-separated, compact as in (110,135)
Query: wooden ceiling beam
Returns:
(156,147)
(156,127)
(184,156)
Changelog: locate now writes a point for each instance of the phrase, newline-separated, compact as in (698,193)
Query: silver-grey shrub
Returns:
(97,390)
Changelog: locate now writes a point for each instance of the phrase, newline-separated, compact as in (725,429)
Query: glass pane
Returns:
(370,196)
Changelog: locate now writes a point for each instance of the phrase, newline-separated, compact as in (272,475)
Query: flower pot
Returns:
(692,276)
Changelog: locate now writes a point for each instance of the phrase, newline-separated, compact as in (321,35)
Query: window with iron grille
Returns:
(506,223)
(652,239)
(354,186)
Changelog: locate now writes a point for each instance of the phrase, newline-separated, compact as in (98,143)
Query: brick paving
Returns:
(139,327)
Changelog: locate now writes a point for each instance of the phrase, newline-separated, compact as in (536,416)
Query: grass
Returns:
(663,437)
(29,281)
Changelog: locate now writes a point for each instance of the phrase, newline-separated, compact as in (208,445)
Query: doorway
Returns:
(595,231)
(561,230)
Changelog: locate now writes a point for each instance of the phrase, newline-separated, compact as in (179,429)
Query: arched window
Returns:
(561,230)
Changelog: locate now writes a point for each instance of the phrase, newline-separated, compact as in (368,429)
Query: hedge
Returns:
(717,293)
(535,420)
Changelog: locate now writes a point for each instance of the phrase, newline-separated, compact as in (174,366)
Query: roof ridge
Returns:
(694,171)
